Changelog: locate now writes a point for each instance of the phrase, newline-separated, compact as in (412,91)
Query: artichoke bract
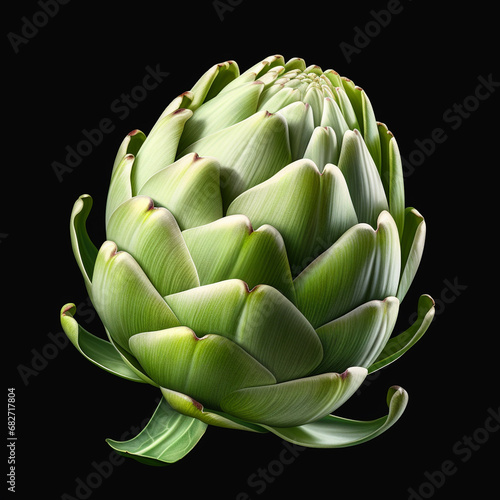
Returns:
(258,248)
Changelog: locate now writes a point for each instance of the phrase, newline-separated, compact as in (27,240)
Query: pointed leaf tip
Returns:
(339,432)
(98,351)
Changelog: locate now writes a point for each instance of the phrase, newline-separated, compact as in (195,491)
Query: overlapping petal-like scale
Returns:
(249,152)
(221,112)
(363,265)
(337,432)
(160,148)
(299,119)
(120,187)
(259,69)
(229,248)
(262,321)
(365,186)
(279,99)
(366,119)
(189,188)
(322,147)
(358,337)
(188,406)
(216,79)
(314,97)
(124,297)
(332,117)
(206,368)
(309,209)
(391,174)
(412,247)
(346,108)
(296,402)
(398,345)
(153,237)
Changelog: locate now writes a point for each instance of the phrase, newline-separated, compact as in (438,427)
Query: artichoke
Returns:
(257,252)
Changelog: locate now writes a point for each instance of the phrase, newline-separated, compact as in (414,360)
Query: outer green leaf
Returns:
(120,188)
(362,265)
(370,129)
(358,337)
(363,179)
(229,248)
(98,351)
(132,362)
(391,173)
(189,188)
(366,119)
(83,249)
(398,345)
(189,406)
(167,437)
(160,147)
(262,322)
(295,402)
(153,237)
(205,368)
(337,432)
(124,297)
(412,247)
(249,152)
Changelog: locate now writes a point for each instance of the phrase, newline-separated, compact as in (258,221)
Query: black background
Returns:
(64,78)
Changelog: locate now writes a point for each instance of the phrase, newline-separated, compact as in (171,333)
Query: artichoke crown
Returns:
(258,248)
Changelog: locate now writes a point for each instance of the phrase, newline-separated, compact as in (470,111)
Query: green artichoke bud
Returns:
(258,250)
